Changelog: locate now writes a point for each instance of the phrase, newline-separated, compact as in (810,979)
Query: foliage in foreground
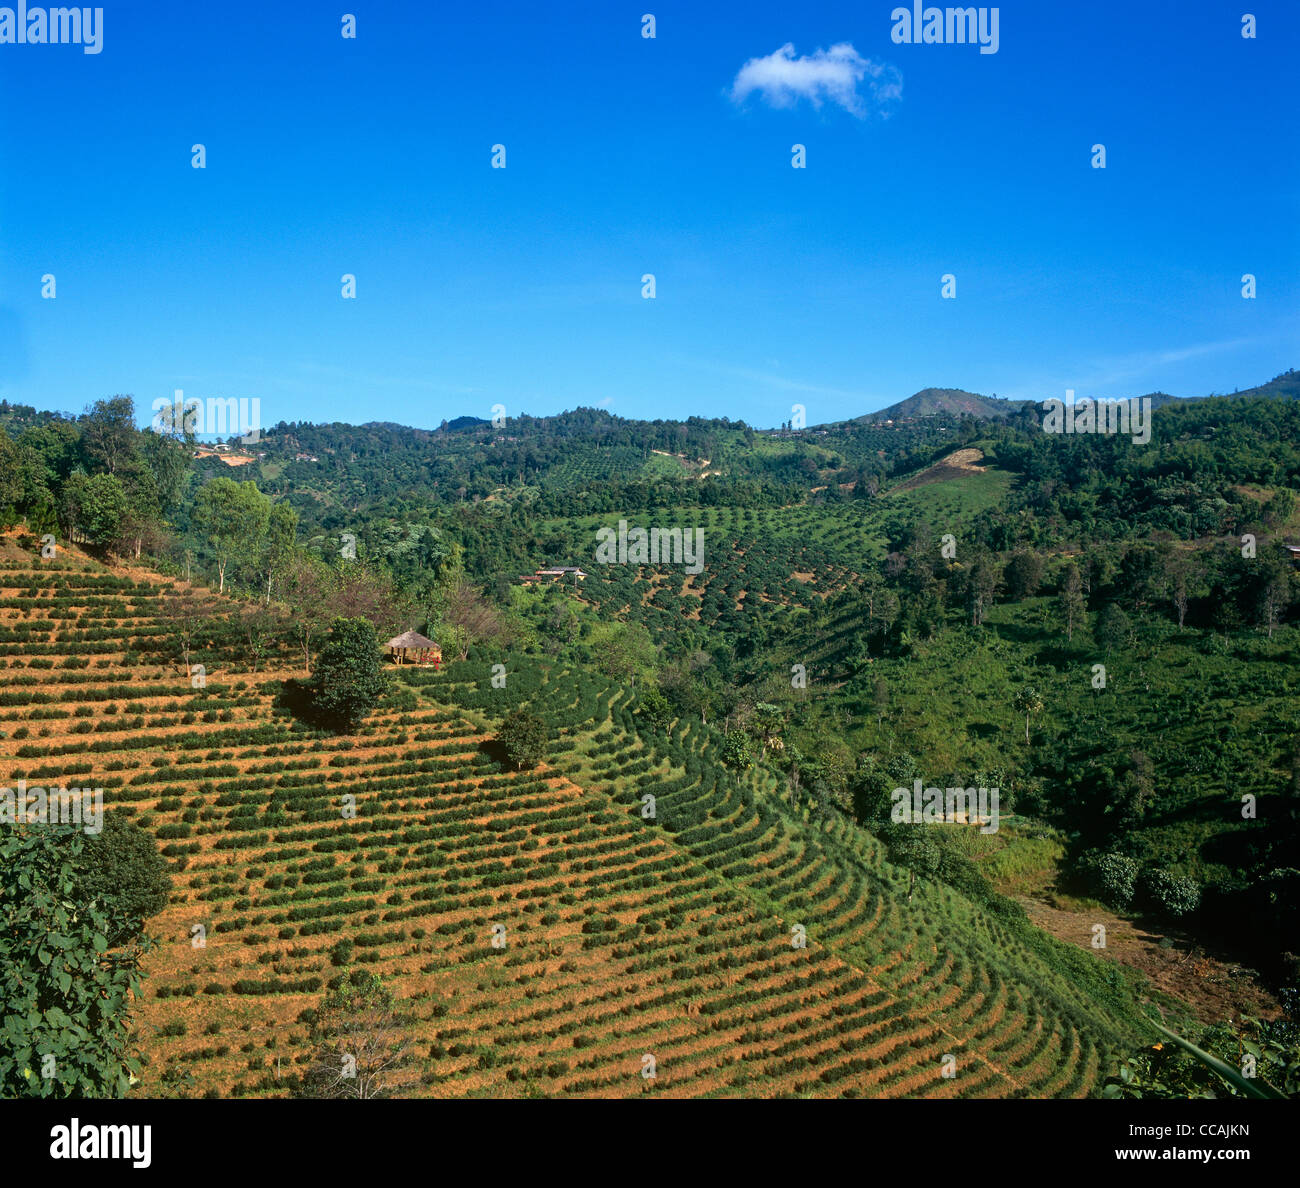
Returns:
(65,1028)
(1258,1059)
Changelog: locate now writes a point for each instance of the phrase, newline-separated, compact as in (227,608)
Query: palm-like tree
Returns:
(1028,702)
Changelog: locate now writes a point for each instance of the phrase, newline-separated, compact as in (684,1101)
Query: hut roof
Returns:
(410,639)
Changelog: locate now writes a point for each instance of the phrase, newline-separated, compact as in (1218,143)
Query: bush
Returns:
(1174,895)
(1111,877)
(122,866)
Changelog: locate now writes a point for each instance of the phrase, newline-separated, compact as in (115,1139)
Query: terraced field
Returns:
(745,947)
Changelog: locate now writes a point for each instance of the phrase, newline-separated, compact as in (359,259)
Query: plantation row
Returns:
(543,931)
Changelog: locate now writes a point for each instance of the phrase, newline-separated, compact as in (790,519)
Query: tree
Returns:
(654,706)
(65,1030)
(108,433)
(94,508)
(310,587)
(1027,702)
(1023,574)
(911,845)
(1137,790)
(1273,599)
(186,613)
(768,720)
(278,544)
(12,487)
(349,678)
(361,1040)
(261,625)
(981,587)
(233,516)
(736,751)
(168,462)
(883,609)
(1112,877)
(122,867)
(467,618)
(1070,600)
(1179,576)
(1113,627)
(880,698)
(624,650)
(524,738)
(1174,895)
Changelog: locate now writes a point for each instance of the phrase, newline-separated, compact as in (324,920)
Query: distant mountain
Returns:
(1281,387)
(953,401)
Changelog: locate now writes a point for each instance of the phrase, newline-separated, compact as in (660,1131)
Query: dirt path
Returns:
(1215,987)
(958,464)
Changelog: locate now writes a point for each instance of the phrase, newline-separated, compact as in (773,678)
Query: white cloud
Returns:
(833,75)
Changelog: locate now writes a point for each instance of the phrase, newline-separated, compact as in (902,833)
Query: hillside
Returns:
(623,935)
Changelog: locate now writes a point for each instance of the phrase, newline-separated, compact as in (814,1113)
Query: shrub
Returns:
(1112,878)
(1174,895)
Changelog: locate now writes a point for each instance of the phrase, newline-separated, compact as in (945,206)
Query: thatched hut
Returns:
(413,646)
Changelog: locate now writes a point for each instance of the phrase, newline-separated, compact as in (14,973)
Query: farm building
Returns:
(554,573)
(413,646)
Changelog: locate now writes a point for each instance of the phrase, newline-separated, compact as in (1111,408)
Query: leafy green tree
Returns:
(524,737)
(1113,627)
(736,750)
(654,706)
(233,517)
(624,651)
(121,866)
(349,678)
(1023,574)
(1137,790)
(278,544)
(911,845)
(981,587)
(108,433)
(168,462)
(94,508)
(11,481)
(65,1027)
(1181,575)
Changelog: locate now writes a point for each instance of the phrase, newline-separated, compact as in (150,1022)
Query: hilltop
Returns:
(952,402)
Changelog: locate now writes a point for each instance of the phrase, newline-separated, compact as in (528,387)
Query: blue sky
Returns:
(522,286)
